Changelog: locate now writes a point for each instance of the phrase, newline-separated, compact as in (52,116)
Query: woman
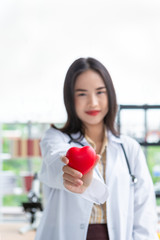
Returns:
(105,203)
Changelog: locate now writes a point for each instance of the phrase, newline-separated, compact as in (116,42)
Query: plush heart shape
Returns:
(81,159)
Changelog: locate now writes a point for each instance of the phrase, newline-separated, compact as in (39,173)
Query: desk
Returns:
(10,231)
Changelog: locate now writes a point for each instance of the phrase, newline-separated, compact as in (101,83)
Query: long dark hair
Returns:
(73,123)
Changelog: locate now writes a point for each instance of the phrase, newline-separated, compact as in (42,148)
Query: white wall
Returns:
(40,39)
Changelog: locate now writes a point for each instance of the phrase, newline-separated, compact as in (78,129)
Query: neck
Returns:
(96,133)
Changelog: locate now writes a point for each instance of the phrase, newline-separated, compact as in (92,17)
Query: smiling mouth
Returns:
(93,113)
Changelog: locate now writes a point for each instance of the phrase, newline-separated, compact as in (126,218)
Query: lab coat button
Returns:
(82,226)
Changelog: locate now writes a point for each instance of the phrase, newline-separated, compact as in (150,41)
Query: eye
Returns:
(101,92)
(81,94)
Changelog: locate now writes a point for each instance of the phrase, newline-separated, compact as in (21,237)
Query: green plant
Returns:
(14,200)
(153,158)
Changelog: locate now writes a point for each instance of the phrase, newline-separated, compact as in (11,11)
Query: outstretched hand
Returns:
(73,180)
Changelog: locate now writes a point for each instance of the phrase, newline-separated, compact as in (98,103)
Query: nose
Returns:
(93,101)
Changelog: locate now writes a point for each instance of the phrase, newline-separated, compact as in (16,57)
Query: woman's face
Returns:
(91,99)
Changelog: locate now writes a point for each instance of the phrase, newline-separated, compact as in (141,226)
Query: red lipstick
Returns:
(93,112)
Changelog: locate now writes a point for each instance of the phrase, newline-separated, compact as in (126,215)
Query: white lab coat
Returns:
(131,209)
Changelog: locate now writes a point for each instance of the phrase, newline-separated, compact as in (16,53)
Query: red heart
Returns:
(81,159)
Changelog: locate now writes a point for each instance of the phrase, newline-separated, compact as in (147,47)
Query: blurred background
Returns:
(38,42)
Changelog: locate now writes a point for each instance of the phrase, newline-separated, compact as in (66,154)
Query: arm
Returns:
(90,186)
(54,145)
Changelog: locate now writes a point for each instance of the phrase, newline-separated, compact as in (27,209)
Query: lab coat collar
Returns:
(113,138)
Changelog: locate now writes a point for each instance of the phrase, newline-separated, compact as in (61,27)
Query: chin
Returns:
(92,123)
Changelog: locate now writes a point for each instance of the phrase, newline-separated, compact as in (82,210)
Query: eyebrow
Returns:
(100,88)
(84,90)
(80,90)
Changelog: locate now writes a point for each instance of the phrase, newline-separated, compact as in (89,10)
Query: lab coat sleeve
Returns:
(97,192)
(54,145)
(145,217)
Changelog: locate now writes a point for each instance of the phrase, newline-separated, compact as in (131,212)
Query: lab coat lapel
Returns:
(112,161)
(112,157)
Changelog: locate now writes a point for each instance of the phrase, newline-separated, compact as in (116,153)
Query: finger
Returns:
(72,180)
(72,187)
(98,157)
(65,159)
(97,160)
(72,172)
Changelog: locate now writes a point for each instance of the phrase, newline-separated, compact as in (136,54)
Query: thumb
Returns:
(97,160)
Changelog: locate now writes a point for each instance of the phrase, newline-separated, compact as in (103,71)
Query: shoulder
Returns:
(131,146)
(54,134)
(128,142)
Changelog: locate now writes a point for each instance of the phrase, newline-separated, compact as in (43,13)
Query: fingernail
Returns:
(79,182)
(80,175)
